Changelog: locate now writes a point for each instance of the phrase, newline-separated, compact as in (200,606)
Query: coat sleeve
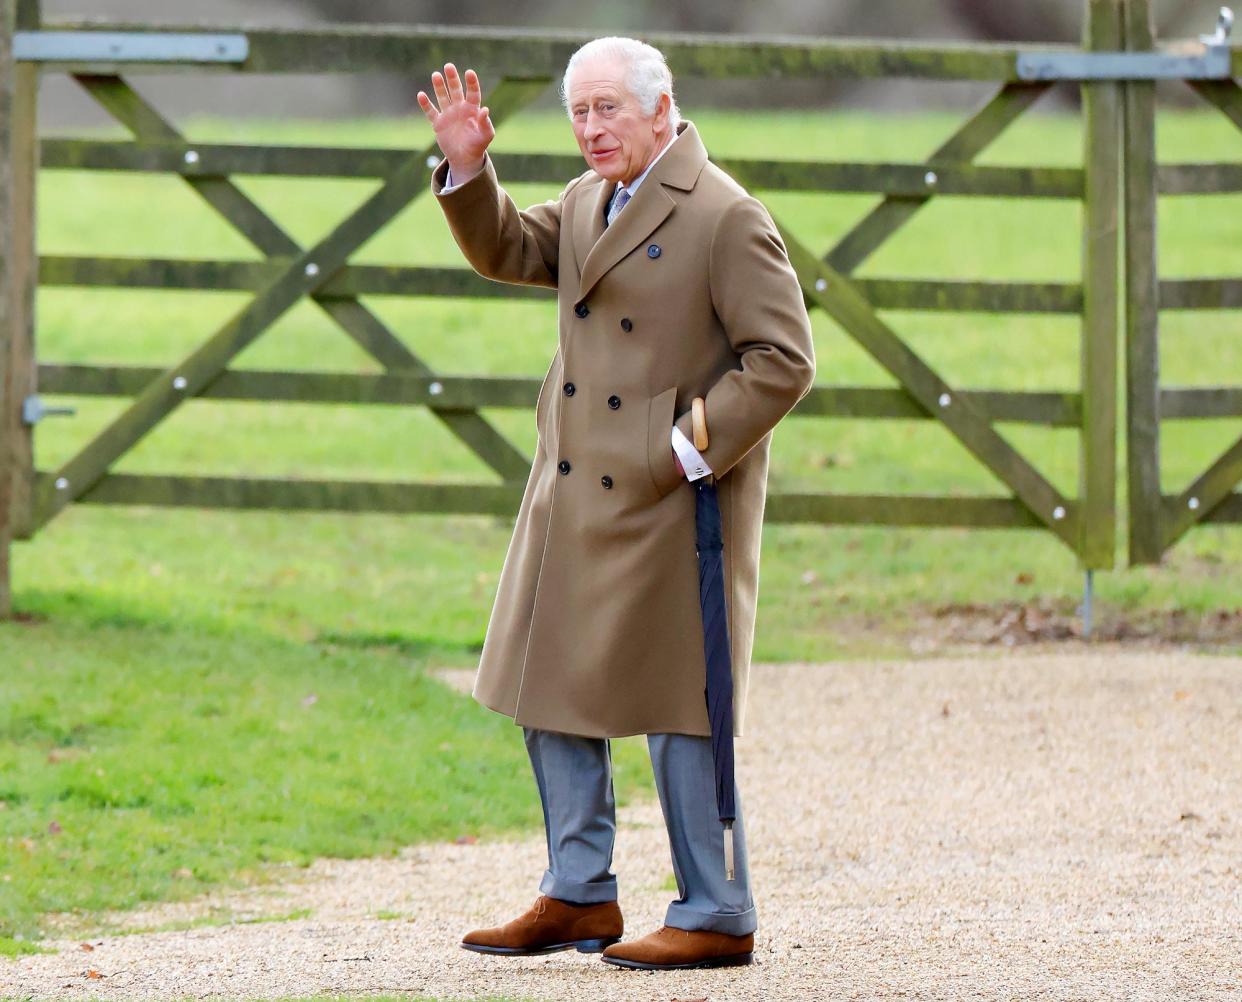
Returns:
(501,242)
(757,296)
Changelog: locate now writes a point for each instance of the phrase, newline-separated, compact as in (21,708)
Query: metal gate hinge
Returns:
(35,410)
(129,47)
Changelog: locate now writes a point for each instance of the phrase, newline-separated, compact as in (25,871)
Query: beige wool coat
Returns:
(596,628)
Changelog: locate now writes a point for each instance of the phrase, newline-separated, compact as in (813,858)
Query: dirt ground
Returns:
(1023,824)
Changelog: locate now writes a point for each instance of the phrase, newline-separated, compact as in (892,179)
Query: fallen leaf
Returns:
(92,973)
(466,839)
(86,946)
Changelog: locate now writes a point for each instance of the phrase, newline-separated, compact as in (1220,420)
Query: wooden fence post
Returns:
(1098,454)
(1146,543)
(18,278)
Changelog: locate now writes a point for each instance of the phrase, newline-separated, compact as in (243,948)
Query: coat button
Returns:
(581,310)
(626,325)
(569,389)
(614,401)
(563,466)
(606,481)
(653,250)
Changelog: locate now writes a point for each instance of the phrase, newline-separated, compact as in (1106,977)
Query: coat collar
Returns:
(679,167)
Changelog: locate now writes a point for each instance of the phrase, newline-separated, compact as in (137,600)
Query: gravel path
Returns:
(1046,826)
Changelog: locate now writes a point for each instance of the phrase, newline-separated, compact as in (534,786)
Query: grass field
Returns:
(190,697)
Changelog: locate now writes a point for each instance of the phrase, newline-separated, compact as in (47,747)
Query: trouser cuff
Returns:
(576,891)
(732,923)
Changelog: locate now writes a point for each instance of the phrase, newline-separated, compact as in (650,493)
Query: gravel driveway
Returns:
(1061,825)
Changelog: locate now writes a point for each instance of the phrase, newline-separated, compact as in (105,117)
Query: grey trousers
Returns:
(574,775)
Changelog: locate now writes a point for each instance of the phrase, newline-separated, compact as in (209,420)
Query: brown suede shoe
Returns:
(550,925)
(669,948)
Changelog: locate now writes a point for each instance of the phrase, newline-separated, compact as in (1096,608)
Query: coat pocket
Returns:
(543,402)
(664,475)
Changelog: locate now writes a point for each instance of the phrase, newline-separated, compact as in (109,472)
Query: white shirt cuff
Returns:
(448,181)
(692,460)
(448,178)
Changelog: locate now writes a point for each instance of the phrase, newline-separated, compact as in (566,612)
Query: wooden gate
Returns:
(1159,519)
(526,63)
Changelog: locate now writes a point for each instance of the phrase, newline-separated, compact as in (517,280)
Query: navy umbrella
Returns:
(719,683)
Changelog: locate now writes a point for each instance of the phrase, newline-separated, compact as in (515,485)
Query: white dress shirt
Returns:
(692,461)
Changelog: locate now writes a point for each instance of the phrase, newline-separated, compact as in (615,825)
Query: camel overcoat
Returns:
(596,628)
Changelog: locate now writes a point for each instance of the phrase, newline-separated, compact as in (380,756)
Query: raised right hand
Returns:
(463,129)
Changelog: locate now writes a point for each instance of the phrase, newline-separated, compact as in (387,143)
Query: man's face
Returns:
(617,140)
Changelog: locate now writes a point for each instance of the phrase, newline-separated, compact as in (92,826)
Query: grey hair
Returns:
(647,75)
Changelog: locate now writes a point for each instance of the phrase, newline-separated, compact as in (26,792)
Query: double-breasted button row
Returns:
(564,467)
(569,390)
(582,311)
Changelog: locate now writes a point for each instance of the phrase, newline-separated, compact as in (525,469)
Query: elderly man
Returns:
(673,283)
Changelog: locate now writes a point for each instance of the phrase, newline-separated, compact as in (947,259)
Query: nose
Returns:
(592,129)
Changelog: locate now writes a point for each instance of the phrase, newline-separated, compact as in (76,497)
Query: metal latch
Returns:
(35,410)
(1210,60)
(1224,28)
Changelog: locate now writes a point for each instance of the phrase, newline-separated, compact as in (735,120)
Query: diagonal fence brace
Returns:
(354,318)
(306,272)
(837,296)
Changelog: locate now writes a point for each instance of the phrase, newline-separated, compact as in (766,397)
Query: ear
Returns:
(659,120)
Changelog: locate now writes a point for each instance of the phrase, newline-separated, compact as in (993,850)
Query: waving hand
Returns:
(463,129)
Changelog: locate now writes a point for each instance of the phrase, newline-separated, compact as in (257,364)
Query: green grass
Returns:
(155,698)
(149,750)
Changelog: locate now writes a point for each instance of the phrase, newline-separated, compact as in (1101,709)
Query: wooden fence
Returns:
(101,58)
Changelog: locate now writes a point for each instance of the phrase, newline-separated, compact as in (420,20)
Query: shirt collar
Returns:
(632,187)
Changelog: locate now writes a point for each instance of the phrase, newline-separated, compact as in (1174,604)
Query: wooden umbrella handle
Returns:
(698,417)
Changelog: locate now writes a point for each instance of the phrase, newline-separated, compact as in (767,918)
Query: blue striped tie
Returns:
(618,203)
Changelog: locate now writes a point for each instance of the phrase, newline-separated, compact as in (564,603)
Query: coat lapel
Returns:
(589,218)
(678,168)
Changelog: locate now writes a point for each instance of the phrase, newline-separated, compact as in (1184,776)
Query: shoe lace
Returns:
(541,905)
